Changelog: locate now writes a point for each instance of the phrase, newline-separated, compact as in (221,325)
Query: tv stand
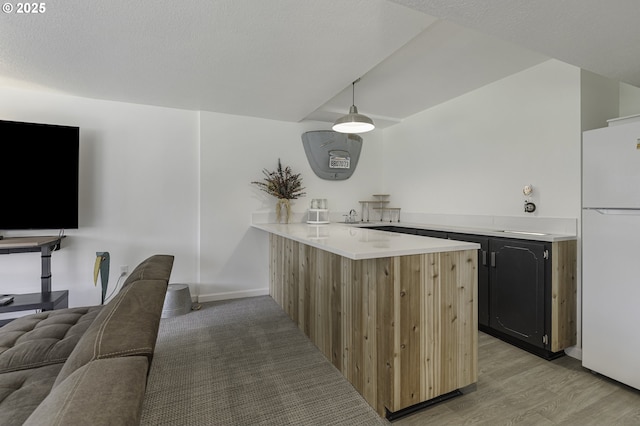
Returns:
(46,299)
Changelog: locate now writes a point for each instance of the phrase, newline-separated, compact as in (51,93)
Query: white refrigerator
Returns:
(611,252)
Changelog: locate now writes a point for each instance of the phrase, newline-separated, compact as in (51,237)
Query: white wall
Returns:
(235,150)
(138,191)
(629,100)
(475,153)
(599,100)
(145,186)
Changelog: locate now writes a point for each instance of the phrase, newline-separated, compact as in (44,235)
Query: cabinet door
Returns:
(517,293)
(483,273)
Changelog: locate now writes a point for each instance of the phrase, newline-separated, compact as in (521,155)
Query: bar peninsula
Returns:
(395,313)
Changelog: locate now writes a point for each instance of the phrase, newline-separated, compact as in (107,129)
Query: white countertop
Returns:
(357,243)
(505,233)
(547,229)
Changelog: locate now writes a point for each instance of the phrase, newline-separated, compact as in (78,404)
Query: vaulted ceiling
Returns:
(293,60)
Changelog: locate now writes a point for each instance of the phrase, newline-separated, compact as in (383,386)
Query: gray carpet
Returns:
(244,362)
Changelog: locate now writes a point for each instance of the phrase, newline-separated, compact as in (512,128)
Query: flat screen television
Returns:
(39,188)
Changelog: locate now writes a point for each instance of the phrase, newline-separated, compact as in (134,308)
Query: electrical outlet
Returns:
(124,269)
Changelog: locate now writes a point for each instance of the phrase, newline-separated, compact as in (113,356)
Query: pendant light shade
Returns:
(353,122)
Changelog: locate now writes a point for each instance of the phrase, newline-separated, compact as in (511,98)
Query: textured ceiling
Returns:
(443,62)
(295,59)
(278,59)
(600,36)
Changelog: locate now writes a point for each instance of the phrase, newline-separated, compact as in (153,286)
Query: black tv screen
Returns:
(39,166)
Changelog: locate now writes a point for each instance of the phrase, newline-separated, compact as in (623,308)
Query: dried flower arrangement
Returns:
(282,183)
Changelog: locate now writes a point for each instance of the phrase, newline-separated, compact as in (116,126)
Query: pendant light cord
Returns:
(353,91)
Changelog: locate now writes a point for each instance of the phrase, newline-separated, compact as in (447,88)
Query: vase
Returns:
(283,210)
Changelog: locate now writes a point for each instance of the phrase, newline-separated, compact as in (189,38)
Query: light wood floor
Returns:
(515,387)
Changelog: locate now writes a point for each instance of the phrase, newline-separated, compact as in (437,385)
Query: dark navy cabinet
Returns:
(519,290)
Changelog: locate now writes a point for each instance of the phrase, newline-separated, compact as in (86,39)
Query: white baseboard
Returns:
(574,352)
(233,295)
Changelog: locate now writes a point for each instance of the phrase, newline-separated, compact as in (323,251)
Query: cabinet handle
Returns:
(493,259)
(484,258)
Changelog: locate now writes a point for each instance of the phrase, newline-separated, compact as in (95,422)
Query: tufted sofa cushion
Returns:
(43,338)
(22,391)
(126,326)
(156,267)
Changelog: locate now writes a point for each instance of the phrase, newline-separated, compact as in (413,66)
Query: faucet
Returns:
(351,217)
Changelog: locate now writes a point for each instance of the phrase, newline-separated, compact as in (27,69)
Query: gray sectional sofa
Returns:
(84,366)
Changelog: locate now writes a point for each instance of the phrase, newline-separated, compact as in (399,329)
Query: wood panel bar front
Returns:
(402,330)
(564,295)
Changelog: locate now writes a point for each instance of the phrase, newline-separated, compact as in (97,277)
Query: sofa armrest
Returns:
(156,267)
(126,326)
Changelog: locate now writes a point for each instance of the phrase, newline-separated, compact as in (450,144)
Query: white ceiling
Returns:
(293,60)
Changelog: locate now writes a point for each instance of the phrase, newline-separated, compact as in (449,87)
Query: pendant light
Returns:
(353,122)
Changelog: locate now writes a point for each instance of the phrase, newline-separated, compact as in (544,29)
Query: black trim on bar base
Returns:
(395,415)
